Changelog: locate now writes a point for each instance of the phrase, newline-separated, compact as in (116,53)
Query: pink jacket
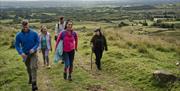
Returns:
(70,40)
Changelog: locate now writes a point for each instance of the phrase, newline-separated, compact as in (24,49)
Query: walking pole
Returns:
(91,59)
(68,70)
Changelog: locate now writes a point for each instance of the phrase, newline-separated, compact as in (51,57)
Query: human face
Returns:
(69,25)
(44,30)
(97,33)
(61,21)
(25,28)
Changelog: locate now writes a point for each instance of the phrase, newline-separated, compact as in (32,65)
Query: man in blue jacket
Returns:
(27,42)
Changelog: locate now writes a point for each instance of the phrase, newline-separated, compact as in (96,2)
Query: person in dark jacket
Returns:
(99,44)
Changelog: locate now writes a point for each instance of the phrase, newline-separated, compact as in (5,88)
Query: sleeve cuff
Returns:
(21,53)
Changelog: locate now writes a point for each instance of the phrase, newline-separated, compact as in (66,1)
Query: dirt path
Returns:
(44,82)
(109,80)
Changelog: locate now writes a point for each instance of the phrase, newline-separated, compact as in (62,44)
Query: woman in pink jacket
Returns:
(70,41)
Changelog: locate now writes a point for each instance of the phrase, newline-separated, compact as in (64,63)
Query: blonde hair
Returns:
(43,27)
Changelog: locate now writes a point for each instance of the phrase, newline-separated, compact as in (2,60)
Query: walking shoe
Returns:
(65,76)
(69,77)
(34,86)
(99,69)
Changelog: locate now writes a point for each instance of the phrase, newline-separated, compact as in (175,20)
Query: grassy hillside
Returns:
(127,65)
(133,58)
(12,70)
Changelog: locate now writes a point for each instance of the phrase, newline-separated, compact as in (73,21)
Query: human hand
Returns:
(39,51)
(24,56)
(31,51)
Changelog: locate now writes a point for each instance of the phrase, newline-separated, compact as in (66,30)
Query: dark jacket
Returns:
(99,42)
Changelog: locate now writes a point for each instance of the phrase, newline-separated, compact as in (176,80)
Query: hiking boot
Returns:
(99,68)
(65,76)
(69,77)
(34,86)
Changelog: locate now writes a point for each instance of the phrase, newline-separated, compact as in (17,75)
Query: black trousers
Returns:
(98,54)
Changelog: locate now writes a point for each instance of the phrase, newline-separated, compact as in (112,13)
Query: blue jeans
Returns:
(68,61)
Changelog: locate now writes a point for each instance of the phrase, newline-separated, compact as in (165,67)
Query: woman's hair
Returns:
(43,27)
(67,23)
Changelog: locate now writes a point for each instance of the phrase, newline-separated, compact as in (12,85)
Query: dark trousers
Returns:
(45,57)
(31,65)
(98,54)
(68,58)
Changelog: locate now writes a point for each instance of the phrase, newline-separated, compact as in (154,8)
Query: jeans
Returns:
(68,58)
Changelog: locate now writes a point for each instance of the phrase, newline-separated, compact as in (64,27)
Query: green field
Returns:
(126,66)
(137,46)
(6,21)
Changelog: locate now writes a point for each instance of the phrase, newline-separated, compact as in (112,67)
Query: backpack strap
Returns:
(74,34)
(64,34)
(58,27)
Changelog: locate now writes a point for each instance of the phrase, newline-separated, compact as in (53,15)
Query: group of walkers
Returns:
(28,43)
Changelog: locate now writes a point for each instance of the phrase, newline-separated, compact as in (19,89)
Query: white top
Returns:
(61,28)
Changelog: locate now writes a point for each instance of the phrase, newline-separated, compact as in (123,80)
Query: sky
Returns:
(95,0)
(60,0)
(55,0)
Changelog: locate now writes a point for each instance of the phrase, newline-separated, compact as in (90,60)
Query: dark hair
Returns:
(61,18)
(25,22)
(67,23)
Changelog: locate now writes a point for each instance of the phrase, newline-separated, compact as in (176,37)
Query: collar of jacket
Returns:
(26,32)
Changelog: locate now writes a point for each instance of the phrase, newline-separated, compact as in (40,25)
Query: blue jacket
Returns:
(58,52)
(25,41)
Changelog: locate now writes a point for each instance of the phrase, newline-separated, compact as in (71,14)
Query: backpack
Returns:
(63,24)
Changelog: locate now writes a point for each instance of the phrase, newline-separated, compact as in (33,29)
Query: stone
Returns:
(163,76)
